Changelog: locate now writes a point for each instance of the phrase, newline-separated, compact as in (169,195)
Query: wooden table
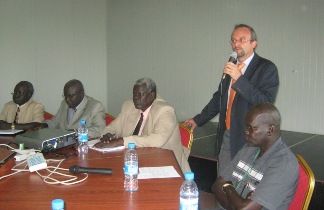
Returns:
(27,190)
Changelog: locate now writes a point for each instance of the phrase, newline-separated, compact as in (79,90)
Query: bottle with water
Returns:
(131,169)
(189,193)
(83,138)
(57,204)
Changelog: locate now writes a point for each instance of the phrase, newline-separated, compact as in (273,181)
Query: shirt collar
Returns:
(247,62)
(23,104)
(146,112)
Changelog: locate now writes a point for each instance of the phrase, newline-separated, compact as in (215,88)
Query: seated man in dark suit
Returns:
(264,174)
(77,106)
(22,112)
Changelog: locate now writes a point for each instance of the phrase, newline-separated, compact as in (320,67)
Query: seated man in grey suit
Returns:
(147,121)
(22,112)
(78,106)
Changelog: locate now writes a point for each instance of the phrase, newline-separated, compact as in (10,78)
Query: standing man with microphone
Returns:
(252,80)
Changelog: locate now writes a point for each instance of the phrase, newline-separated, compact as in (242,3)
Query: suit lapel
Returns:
(12,113)
(150,118)
(252,66)
(133,118)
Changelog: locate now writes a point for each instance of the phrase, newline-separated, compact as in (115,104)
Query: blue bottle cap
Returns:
(57,204)
(189,175)
(82,122)
(131,145)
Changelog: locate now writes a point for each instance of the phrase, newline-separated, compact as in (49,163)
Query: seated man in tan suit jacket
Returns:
(159,127)
(22,112)
(77,106)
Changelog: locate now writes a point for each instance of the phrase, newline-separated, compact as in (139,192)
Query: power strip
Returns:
(24,151)
(23,154)
(36,162)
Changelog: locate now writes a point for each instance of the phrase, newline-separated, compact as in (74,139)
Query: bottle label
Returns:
(83,137)
(131,168)
(189,204)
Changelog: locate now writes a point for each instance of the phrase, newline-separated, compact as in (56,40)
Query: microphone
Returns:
(78,169)
(233,59)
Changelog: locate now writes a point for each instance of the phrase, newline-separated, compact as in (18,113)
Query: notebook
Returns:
(5,154)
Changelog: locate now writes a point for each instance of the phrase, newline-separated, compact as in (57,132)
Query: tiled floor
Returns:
(203,160)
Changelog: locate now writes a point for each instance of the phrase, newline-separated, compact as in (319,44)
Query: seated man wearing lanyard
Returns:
(22,113)
(264,174)
(147,121)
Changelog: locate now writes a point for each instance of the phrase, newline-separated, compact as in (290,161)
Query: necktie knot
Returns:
(240,66)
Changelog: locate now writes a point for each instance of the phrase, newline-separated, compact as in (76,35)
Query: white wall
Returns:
(181,44)
(50,42)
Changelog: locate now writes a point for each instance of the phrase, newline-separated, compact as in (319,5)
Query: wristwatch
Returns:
(225,185)
(13,126)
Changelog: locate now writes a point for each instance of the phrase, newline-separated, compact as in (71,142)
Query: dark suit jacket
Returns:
(259,84)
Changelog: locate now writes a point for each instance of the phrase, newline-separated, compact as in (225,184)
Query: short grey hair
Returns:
(150,84)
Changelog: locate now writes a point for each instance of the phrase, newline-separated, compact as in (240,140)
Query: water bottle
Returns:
(57,204)
(131,169)
(189,193)
(83,138)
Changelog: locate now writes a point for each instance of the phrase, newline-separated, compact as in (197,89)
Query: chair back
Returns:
(186,136)
(109,118)
(305,187)
(47,116)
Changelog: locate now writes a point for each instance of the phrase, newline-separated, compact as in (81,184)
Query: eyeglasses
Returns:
(69,96)
(17,93)
(139,94)
(241,41)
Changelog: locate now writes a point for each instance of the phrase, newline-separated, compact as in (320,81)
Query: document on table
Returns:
(93,142)
(10,132)
(157,172)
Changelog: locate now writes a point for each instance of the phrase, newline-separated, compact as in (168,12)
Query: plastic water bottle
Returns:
(131,169)
(57,204)
(83,138)
(189,193)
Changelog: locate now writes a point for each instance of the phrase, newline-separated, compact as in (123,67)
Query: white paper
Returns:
(157,172)
(10,131)
(93,142)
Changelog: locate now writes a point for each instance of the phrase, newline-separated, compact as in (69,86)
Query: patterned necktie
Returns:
(138,126)
(17,113)
(231,99)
